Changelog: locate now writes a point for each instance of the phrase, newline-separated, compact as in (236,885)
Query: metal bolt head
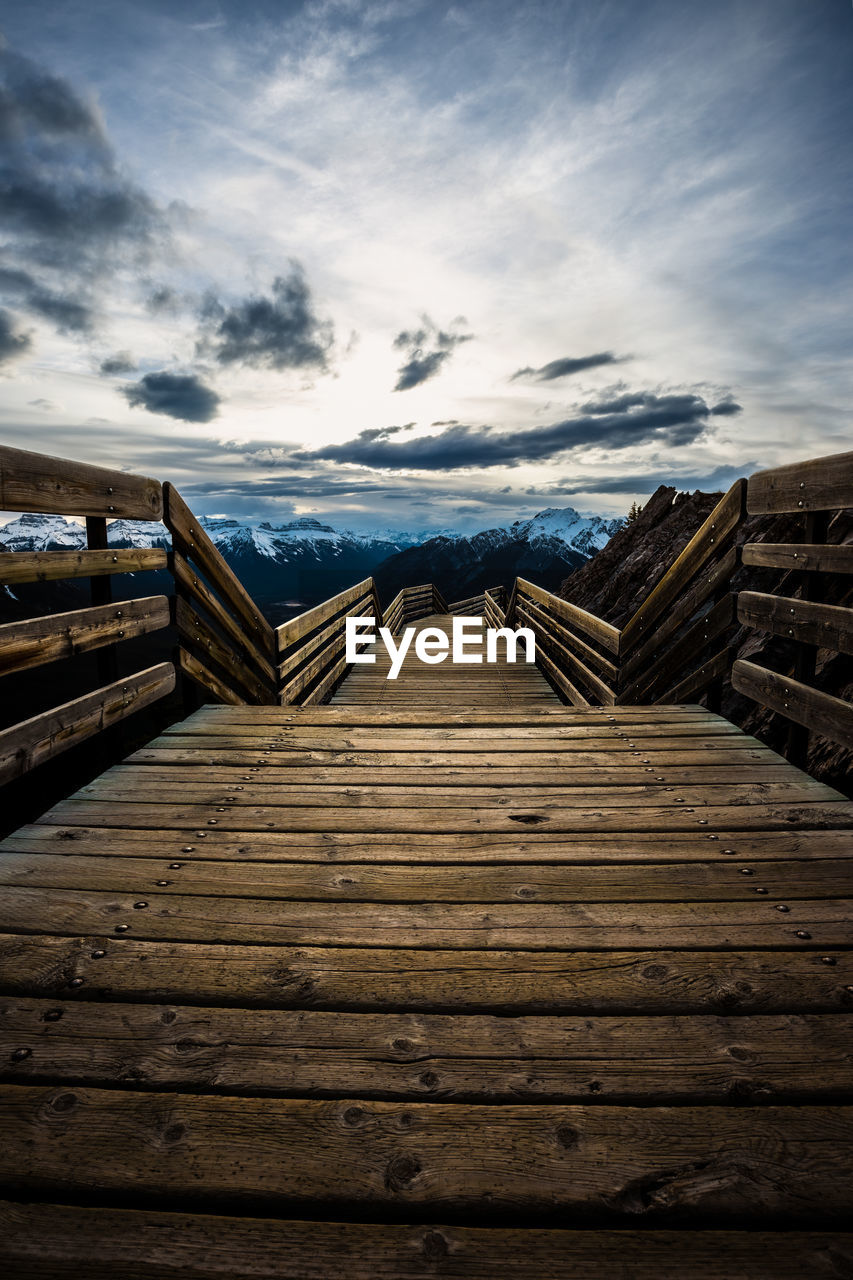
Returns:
(162,883)
(780,906)
(140,906)
(211,822)
(828,960)
(99,954)
(801,933)
(761,891)
(76,982)
(175,866)
(188,848)
(122,928)
(729,851)
(18,1055)
(747,871)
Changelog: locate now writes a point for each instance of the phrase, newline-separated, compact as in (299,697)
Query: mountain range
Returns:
(288,567)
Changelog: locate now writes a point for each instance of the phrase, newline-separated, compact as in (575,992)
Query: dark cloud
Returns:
(382,433)
(277,332)
(720,478)
(65,311)
(428,349)
(566,366)
(164,299)
(67,212)
(121,362)
(639,418)
(177,395)
(13,343)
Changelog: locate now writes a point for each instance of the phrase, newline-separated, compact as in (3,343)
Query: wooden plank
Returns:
(826,625)
(401,775)
(430,1056)
(30,743)
(800,555)
(321,639)
(819,484)
(36,482)
(47,566)
(573,641)
(556,674)
(328,657)
(192,541)
(207,645)
(588,623)
(138,787)
(297,628)
(327,683)
(569,663)
(747,847)
(523,926)
(829,716)
(593,817)
(715,668)
(45,1240)
(536,1158)
(708,540)
(713,579)
(196,590)
(63,635)
(640,981)
(383,882)
(202,675)
(664,673)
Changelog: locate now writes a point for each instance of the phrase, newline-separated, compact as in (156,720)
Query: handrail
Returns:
(675,646)
(37,483)
(311,647)
(819,489)
(575,648)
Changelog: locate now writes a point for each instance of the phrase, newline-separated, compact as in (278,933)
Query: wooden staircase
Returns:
(439,976)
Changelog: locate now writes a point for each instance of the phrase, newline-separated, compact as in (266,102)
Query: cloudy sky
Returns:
(426,264)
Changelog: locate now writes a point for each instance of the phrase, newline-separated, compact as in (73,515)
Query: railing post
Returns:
(797,747)
(101,592)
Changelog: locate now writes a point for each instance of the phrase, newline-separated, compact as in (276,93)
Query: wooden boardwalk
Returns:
(443,979)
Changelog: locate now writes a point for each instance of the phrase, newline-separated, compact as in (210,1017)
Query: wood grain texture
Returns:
(30,743)
(661,1163)
(53,1242)
(819,484)
(36,482)
(638,981)
(63,635)
(829,716)
(48,566)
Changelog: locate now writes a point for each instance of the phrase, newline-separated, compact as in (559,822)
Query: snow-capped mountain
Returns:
(299,563)
(586,534)
(545,548)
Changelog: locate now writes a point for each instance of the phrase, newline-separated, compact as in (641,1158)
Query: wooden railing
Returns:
(226,644)
(31,482)
(311,647)
(675,646)
(820,491)
(412,603)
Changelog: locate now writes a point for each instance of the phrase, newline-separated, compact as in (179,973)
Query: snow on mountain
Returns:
(586,534)
(42,533)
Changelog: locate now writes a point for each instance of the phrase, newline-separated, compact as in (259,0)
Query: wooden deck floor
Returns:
(416,985)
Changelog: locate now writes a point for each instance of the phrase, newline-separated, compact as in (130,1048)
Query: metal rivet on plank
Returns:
(76,982)
(761,891)
(175,866)
(828,960)
(99,954)
(780,906)
(139,906)
(802,933)
(18,1055)
(122,928)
